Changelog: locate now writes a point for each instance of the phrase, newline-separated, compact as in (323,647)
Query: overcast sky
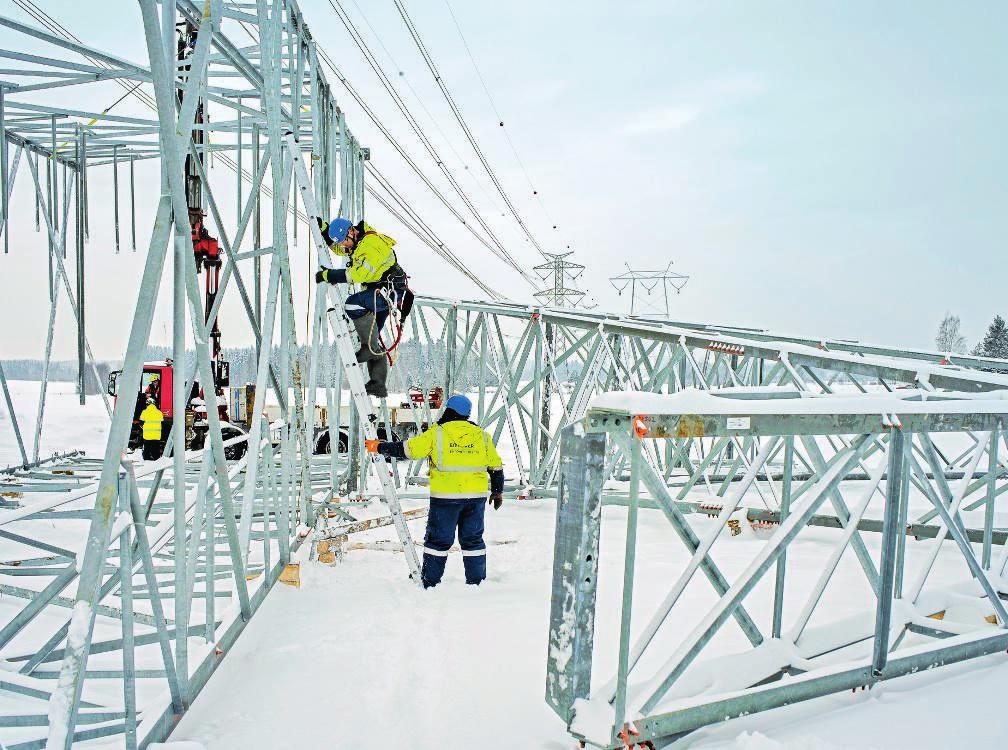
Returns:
(835,169)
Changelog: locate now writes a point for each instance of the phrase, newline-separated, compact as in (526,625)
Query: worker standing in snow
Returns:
(372,263)
(151,418)
(461,456)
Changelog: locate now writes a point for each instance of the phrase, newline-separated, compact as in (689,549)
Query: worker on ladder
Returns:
(371,263)
(461,455)
(151,419)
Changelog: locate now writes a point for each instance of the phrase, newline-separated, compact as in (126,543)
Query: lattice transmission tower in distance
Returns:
(649,281)
(560,271)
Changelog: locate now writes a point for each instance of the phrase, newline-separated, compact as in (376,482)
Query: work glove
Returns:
(496,500)
(323,226)
(320,275)
(371,446)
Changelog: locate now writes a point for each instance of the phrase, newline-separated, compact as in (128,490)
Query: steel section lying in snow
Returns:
(662,689)
(534,370)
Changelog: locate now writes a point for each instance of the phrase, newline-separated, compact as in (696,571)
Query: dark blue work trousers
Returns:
(442,520)
(359,304)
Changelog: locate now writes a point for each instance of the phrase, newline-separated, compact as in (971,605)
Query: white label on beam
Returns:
(738,423)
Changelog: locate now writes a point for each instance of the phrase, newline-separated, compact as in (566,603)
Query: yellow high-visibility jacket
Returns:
(151,418)
(460,455)
(372,257)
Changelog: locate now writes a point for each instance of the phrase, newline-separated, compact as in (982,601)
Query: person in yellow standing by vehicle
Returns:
(461,457)
(372,263)
(151,418)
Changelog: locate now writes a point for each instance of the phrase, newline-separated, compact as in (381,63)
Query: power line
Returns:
(430,115)
(417,226)
(402,152)
(500,119)
(420,228)
(431,243)
(461,120)
(324,57)
(498,248)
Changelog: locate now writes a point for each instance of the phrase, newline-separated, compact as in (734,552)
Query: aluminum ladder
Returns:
(343,336)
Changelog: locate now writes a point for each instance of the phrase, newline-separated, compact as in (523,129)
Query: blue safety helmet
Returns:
(460,405)
(338,229)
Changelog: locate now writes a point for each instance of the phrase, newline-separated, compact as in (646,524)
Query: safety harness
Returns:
(398,300)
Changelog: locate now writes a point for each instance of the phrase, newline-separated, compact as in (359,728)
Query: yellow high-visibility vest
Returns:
(460,454)
(151,419)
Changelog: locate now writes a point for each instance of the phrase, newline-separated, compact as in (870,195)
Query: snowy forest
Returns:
(417,364)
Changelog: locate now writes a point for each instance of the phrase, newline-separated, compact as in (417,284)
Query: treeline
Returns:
(59,371)
(415,365)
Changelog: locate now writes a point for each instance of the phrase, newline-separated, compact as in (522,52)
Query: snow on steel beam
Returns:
(872,365)
(666,698)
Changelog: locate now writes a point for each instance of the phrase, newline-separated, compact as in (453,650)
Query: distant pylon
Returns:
(559,270)
(649,281)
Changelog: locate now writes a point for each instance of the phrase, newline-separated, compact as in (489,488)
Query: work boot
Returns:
(376,389)
(378,371)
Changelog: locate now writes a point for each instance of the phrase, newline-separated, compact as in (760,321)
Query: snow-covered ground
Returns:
(67,425)
(359,657)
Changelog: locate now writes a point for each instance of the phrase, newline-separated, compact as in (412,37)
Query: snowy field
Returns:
(67,426)
(359,657)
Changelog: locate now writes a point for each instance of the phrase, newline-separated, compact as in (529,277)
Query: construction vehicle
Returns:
(158,377)
(156,384)
(435,397)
